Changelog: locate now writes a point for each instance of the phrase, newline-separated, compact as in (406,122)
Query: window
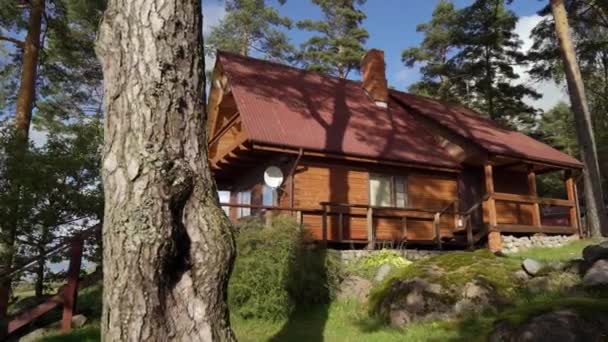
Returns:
(243,197)
(268,196)
(387,191)
(224,198)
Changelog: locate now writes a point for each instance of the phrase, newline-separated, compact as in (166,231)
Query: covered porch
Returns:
(513,203)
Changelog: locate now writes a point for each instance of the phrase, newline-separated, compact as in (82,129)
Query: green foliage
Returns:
(338,47)
(366,267)
(468,55)
(589,31)
(276,271)
(251,26)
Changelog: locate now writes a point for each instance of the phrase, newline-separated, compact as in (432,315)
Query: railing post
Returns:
(467,222)
(371,238)
(437,229)
(70,291)
(324,225)
(340,226)
(571,192)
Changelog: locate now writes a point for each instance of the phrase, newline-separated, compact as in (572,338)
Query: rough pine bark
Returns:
(596,210)
(29,66)
(168,247)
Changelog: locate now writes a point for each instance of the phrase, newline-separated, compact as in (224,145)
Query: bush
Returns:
(276,271)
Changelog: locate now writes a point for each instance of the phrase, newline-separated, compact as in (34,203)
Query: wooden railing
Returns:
(66,295)
(537,203)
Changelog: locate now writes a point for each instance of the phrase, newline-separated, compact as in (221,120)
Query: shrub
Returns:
(276,271)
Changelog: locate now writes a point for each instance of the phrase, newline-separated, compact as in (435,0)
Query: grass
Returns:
(349,320)
(569,251)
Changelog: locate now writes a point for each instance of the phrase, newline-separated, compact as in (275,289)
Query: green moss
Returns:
(452,271)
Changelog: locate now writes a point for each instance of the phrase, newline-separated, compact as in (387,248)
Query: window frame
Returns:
(393,187)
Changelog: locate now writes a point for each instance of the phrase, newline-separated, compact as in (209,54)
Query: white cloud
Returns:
(552,92)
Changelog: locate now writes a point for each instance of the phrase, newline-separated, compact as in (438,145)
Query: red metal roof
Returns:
(483,131)
(286,106)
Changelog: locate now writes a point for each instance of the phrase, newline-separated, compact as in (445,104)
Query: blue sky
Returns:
(392,27)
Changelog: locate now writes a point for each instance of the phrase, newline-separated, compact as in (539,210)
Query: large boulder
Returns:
(562,326)
(413,300)
(475,297)
(593,253)
(597,275)
(354,287)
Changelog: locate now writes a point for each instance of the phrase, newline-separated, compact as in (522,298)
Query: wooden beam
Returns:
(340,226)
(571,195)
(371,239)
(324,225)
(353,158)
(494,238)
(70,292)
(501,196)
(532,191)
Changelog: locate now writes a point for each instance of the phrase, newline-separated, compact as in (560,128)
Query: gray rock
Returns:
(382,272)
(562,326)
(521,275)
(36,335)
(354,287)
(593,253)
(597,275)
(475,297)
(532,267)
(538,285)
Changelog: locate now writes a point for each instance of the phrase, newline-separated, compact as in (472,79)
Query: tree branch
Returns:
(17,42)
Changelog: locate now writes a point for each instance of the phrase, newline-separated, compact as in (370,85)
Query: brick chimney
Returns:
(373,71)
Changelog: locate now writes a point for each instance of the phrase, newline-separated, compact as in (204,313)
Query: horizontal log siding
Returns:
(346,184)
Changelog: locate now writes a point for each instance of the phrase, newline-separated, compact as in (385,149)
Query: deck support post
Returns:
(536,217)
(70,291)
(437,228)
(324,225)
(494,238)
(371,238)
(340,226)
(572,197)
(469,227)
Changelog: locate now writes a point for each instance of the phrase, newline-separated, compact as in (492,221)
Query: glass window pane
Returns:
(224,198)
(379,190)
(244,197)
(268,196)
(400,192)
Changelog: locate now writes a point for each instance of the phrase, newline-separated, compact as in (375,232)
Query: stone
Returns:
(354,287)
(597,275)
(382,272)
(413,300)
(78,321)
(521,275)
(532,267)
(475,297)
(593,253)
(576,266)
(562,325)
(36,335)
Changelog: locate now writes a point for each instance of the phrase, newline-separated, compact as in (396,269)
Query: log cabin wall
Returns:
(319,181)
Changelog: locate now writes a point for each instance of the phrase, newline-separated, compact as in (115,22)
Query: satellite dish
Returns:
(273,177)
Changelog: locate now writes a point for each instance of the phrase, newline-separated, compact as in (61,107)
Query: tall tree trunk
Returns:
(596,210)
(23,117)
(168,247)
(29,66)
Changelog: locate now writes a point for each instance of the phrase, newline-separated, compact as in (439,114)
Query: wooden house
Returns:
(365,164)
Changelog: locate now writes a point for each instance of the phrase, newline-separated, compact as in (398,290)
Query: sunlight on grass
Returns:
(569,251)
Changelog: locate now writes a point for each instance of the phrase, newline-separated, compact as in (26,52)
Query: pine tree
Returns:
(168,246)
(596,207)
(439,79)
(338,47)
(251,27)
(479,72)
